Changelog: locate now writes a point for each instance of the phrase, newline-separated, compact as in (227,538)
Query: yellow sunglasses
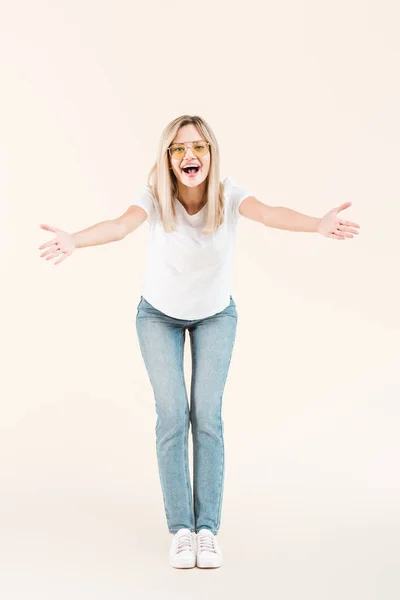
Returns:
(199,149)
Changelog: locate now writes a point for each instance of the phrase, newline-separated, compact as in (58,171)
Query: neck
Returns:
(193,199)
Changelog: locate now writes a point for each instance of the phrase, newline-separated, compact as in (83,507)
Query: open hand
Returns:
(331,225)
(63,244)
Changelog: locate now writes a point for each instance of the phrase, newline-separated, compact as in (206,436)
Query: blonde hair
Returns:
(164,185)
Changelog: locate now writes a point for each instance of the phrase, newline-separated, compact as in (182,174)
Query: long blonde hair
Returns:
(164,185)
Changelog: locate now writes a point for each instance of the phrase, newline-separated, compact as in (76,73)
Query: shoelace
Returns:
(184,542)
(206,542)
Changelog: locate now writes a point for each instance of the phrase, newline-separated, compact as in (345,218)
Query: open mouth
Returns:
(191,171)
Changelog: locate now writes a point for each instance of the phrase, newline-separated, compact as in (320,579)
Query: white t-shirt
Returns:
(188,273)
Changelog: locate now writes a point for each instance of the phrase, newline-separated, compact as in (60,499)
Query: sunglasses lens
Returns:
(199,149)
(178,151)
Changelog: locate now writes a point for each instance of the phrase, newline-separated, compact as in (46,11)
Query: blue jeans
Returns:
(161,340)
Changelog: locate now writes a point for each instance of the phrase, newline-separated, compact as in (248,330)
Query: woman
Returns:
(187,286)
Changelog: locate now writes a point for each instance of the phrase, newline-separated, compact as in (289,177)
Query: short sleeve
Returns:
(236,194)
(144,198)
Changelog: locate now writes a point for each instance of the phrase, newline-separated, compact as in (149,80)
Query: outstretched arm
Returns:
(281,217)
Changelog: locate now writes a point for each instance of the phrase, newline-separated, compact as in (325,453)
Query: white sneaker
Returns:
(208,553)
(182,554)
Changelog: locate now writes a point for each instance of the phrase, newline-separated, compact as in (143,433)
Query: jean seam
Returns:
(218,520)
(185,439)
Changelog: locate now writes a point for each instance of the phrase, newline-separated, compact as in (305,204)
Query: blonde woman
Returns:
(187,286)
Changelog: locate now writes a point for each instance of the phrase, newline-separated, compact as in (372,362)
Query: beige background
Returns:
(304,100)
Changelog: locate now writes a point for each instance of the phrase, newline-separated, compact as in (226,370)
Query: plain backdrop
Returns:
(304,100)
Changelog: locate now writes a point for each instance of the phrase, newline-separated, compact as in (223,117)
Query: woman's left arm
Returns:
(281,217)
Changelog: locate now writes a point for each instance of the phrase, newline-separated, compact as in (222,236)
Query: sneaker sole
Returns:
(208,565)
(183,565)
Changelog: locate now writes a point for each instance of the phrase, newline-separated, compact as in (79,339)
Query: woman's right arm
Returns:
(111,231)
(104,232)
(95,235)
(131,219)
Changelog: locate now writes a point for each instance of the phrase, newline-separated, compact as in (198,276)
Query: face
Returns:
(188,134)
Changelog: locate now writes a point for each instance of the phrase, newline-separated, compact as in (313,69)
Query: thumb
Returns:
(343,206)
(48,227)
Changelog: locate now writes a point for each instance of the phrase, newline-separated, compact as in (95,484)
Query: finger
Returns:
(53,254)
(49,243)
(336,237)
(53,248)
(343,231)
(350,223)
(64,256)
(348,229)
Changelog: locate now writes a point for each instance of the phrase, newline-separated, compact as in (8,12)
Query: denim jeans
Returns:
(161,340)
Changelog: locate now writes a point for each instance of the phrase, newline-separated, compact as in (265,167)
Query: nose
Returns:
(189,149)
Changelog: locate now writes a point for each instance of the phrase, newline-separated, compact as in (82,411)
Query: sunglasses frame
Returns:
(186,143)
